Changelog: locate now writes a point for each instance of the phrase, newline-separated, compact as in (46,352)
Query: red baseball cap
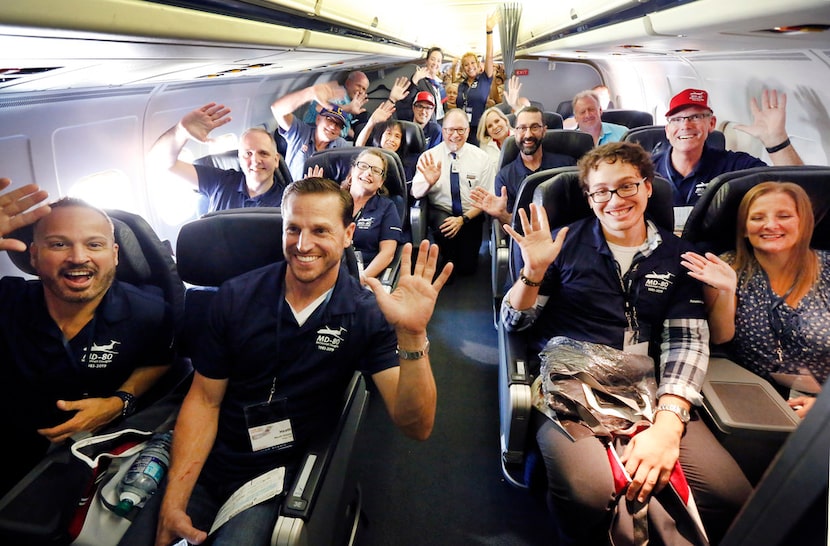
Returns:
(689,97)
(424,96)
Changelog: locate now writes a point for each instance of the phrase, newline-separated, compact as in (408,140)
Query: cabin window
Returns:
(108,189)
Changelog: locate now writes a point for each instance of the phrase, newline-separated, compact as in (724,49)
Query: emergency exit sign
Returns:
(521,72)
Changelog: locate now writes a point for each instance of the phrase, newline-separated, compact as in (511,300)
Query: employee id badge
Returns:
(631,343)
(469,111)
(269,426)
(454,167)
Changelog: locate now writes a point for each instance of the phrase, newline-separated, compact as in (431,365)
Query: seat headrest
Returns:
(629,118)
(413,141)
(223,244)
(712,223)
(226,243)
(557,141)
(552,120)
(653,137)
(565,202)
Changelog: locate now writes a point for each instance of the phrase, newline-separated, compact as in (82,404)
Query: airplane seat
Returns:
(413,144)
(323,503)
(337,164)
(753,440)
(558,141)
(628,118)
(57,483)
(653,137)
(552,120)
(565,109)
(559,192)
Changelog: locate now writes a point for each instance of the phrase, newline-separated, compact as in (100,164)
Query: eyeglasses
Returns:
(626,190)
(456,130)
(694,118)
(362,166)
(423,106)
(532,128)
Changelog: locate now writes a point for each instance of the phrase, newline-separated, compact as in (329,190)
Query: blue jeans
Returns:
(252,527)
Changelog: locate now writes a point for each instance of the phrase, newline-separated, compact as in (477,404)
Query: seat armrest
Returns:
(418,220)
(515,403)
(313,508)
(389,278)
(747,415)
(499,259)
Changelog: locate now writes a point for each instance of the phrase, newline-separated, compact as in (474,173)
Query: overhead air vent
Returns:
(11,74)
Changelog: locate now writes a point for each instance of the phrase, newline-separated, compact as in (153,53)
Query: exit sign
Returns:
(521,72)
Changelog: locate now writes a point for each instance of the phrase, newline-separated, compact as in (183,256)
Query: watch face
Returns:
(129,403)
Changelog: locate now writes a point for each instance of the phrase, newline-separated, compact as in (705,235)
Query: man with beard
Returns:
(77,346)
(447,175)
(530,128)
(305,140)
(258,185)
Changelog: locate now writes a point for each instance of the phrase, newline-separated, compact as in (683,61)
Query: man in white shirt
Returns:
(446,176)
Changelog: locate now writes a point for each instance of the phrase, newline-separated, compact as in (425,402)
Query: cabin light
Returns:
(631,46)
(798,29)
(686,50)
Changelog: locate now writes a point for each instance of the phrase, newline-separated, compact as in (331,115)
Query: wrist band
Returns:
(780,147)
(489,32)
(528,281)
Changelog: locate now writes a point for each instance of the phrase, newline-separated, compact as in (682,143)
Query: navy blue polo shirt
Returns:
(513,174)
(253,339)
(227,190)
(473,98)
(587,300)
(712,163)
(299,139)
(432,135)
(132,328)
(377,221)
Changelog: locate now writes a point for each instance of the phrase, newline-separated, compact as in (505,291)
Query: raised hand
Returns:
(382,113)
(410,306)
(769,120)
(430,168)
(15,213)
(329,92)
(420,73)
(315,172)
(538,247)
(489,202)
(511,94)
(200,122)
(710,270)
(400,90)
(356,105)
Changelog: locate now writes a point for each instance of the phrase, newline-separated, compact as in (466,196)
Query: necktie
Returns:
(455,188)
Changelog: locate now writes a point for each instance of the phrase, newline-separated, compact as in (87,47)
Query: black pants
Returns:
(461,250)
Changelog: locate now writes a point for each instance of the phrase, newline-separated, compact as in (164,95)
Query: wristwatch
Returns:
(129,403)
(413,355)
(465,218)
(681,412)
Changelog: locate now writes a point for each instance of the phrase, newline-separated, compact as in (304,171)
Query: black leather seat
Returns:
(323,503)
(653,137)
(629,118)
(713,220)
(413,144)
(569,143)
(552,120)
(565,109)
(559,192)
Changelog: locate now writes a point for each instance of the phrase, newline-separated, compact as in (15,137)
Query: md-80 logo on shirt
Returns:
(658,282)
(100,356)
(329,339)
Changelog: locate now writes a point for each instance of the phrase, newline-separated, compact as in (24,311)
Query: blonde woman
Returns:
(493,130)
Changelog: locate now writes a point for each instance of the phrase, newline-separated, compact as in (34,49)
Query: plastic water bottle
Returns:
(145,474)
